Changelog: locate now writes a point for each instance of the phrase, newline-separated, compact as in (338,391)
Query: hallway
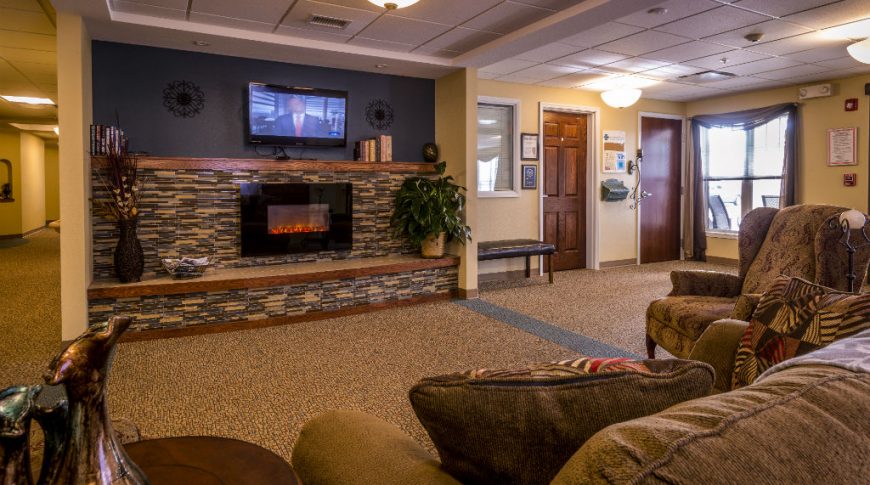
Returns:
(29,306)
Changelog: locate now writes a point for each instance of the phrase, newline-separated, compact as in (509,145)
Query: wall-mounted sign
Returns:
(842,146)
(529,146)
(614,152)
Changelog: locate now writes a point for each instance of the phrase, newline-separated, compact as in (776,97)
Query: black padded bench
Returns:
(515,248)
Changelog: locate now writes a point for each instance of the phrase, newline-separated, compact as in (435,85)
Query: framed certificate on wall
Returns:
(842,146)
(529,146)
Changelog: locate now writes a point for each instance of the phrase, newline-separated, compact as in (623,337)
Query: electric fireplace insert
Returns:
(295,218)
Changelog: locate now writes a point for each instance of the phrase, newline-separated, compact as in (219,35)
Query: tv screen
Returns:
(280,115)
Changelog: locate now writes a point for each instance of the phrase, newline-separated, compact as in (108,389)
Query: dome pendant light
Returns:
(393,4)
(860,51)
(621,98)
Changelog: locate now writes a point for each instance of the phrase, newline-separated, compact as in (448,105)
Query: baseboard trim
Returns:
(519,274)
(722,261)
(19,236)
(211,328)
(617,263)
(468,294)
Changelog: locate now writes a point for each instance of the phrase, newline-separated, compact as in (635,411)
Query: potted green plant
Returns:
(428,212)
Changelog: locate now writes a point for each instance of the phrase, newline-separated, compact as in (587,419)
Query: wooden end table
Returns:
(207,460)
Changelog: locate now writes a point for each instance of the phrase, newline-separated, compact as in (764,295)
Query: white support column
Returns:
(75,115)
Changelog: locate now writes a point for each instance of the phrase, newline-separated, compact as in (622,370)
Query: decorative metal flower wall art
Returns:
(379,114)
(183,99)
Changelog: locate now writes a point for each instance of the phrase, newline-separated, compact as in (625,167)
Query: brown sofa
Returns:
(804,424)
(794,241)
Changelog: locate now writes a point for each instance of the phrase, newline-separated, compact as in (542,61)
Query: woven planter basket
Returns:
(433,247)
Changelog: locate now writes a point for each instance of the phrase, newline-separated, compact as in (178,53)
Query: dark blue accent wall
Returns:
(129,80)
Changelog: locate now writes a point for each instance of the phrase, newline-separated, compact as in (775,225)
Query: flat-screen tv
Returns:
(293,116)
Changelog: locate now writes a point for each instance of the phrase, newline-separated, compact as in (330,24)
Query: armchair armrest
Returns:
(717,346)
(351,447)
(745,306)
(705,283)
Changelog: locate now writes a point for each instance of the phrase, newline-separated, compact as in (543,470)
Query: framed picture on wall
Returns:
(842,146)
(530,177)
(529,146)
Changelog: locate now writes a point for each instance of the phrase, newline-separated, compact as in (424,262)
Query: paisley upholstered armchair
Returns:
(794,241)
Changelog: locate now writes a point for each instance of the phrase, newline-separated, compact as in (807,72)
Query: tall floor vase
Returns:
(129,258)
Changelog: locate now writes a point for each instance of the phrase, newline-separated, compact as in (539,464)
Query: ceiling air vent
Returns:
(330,22)
(706,77)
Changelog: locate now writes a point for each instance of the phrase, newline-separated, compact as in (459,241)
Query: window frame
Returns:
(515,159)
(746,180)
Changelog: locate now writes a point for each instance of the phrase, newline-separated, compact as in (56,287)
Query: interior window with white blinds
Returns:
(495,147)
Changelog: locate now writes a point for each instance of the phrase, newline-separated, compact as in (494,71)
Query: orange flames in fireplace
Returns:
(297,229)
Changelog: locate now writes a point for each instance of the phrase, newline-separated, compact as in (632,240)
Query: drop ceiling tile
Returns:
(820,54)
(402,30)
(330,35)
(797,43)
(689,93)
(676,9)
(508,66)
(13,54)
(771,64)
(780,8)
(792,72)
(588,58)
(302,12)
(487,75)
(24,21)
(559,82)
(507,17)
(171,4)
(643,42)
(445,53)
(461,39)
(548,52)
(381,44)
(449,12)
(545,72)
(265,11)
(672,71)
(737,82)
(578,79)
(636,64)
(231,22)
(601,34)
(832,14)
(712,22)
(663,87)
(771,30)
(358,4)
(847,62)
(733,58)
(42,42)
(685,52)
(150,10)
(551,4)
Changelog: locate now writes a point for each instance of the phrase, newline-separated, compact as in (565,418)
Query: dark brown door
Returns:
(565,188)
(661,141)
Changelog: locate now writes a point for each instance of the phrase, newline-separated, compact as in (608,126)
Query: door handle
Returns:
(644,194)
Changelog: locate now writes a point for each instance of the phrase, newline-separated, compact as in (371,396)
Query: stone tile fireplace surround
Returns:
(190,207)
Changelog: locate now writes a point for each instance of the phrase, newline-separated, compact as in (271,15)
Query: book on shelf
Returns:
(378,149)
(103,138)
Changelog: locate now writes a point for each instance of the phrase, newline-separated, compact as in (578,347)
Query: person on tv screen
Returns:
(296,122)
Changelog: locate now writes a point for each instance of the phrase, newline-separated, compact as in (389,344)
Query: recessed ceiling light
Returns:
(394,4)
(26,100)
(201,43)
(657,11)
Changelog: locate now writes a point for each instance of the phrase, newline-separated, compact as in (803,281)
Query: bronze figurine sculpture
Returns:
(16,410)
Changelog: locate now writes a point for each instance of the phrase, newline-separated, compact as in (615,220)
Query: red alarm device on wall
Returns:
(850,179)
(852,104)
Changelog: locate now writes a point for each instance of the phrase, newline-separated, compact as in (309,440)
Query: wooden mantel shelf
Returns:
(230,164)
(268,276)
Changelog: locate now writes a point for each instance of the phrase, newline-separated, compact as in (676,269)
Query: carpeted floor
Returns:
(263,385)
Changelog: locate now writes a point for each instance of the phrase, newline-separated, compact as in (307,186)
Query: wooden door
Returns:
(661,141)
(564,164)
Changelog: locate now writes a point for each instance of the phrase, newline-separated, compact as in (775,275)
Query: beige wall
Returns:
(10,212)
(456,136)
(816,182)
(32,182)
(52,182)
(502,218)
(75,117)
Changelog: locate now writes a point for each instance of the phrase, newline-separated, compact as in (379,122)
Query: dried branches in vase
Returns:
(120,203)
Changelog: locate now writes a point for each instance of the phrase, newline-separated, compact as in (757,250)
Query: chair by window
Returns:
(720,219)
(770,201)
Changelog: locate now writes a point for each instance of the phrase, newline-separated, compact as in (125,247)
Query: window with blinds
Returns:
(495,147)
(742,171)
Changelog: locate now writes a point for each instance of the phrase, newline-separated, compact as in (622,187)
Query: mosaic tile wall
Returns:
(172,311)
(195,213)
